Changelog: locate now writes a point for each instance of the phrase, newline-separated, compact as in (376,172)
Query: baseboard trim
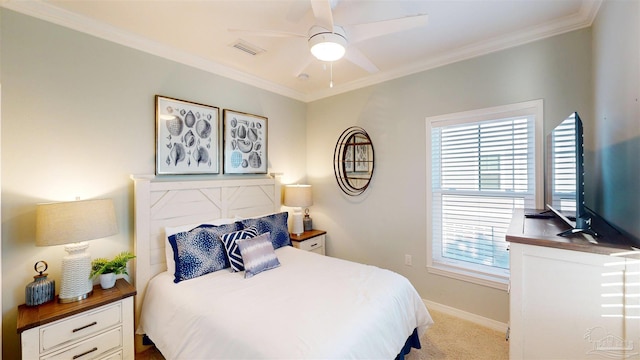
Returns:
(476,319)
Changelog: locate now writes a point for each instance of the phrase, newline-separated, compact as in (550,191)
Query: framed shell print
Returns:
(187,137)
(245,143)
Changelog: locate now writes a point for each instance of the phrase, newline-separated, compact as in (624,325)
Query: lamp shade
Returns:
(74,221)
(297,195)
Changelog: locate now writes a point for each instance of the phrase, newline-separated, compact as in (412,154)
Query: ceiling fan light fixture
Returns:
(327,46)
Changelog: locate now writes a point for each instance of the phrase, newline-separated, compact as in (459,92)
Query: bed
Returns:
(308,306)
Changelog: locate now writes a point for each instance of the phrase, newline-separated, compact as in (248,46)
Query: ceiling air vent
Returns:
(247,47)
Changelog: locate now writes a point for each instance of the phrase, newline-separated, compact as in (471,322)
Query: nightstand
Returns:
(98,327)
(312,240)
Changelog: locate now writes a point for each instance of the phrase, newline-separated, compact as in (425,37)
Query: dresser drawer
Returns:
(115,356)
(103,327)
(92,348)
(314,244)
(78,326)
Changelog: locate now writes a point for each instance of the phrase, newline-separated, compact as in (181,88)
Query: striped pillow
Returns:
(230,244)
(258,255)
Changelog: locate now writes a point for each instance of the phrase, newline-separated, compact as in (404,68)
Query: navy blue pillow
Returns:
(276,224)
(199,251)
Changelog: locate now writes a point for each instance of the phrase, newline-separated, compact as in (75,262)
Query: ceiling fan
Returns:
(328,41)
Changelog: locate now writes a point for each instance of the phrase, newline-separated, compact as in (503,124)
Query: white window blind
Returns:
(563,160)
(481,170)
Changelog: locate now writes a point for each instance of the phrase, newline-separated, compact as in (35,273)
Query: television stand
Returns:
(574,231)
(558,305)
(545,214)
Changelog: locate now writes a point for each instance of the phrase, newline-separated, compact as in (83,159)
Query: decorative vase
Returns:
(41,289)
(307,223)
(107,281)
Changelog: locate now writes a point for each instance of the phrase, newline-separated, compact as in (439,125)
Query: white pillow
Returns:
(172,230)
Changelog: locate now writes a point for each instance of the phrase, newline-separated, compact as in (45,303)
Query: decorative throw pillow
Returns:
(199,251)
(230,244)
(257,254)
(169,251)
(276,224)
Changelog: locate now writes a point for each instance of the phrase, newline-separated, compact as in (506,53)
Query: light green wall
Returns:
(615,139)
(78,119)
(388,220)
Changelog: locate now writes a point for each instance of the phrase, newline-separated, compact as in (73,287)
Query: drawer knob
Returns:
(316,244)
(86,326)
(85,353)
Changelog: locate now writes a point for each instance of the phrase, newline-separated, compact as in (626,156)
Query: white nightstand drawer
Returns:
(92,348)
(103,327)
(312,244)
(76,327)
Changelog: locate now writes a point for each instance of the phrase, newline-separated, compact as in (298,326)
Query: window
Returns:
(483,164)
(562,154)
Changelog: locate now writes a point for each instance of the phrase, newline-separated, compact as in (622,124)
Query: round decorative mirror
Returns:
(353,161)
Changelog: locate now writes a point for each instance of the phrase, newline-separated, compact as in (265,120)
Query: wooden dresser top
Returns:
(543,232)
(33,316)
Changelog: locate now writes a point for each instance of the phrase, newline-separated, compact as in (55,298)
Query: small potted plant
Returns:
(108,269)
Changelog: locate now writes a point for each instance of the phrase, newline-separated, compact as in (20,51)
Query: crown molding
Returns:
(584,18)
(45,11)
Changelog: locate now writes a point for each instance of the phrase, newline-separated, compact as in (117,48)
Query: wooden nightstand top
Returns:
(33,316)
(307,235)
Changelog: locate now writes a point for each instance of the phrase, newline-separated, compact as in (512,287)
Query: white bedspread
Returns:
(311,307)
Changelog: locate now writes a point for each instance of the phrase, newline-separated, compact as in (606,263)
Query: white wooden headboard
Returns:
(160,202)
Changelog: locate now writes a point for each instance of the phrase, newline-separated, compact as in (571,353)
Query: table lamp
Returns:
(74,223)
(297,196)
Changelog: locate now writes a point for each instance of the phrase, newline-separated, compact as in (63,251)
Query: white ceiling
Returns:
(196,33)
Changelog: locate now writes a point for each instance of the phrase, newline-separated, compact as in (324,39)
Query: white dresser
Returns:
(99,327)
(570,299)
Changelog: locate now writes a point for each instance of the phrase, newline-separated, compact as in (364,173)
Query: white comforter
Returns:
(311,307)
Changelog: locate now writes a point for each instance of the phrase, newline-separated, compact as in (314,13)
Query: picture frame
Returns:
(245,143)
(187,137)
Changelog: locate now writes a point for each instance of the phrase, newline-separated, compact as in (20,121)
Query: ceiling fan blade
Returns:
(303,68)
(360,32)
(297,10)
(268,33)
(358,58)
(322,12)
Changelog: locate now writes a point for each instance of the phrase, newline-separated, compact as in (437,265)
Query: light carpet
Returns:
(453,338)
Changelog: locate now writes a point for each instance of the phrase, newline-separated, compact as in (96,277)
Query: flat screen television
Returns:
(565,181)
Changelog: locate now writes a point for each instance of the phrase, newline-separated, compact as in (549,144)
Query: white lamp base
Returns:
(297,226)
(76,268)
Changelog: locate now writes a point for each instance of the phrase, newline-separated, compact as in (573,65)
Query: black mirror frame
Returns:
(353,161)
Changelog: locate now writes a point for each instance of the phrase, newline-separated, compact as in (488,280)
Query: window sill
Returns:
(493,281)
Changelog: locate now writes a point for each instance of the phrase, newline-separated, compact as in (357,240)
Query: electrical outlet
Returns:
(407,260)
